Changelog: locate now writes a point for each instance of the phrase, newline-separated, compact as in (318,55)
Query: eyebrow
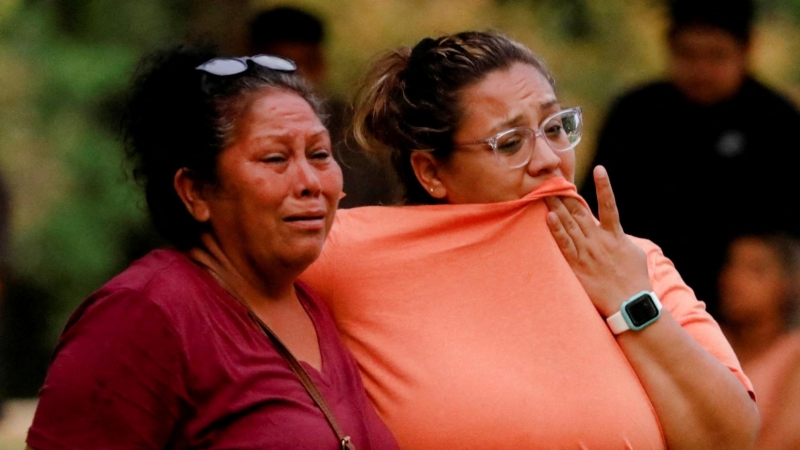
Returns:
(516,120)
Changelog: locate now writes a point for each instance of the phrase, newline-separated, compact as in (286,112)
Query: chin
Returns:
(706,95)
(304,256)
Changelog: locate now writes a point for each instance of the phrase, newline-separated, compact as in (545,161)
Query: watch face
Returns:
(641,310)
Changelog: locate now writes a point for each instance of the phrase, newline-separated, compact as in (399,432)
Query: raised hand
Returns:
(608,264)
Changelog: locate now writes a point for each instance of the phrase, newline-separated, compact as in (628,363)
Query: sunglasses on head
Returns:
(225,66)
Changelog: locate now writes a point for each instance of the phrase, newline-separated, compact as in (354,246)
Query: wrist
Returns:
(636,313)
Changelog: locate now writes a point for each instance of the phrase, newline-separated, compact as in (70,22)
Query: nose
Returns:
(307,182)
(544,159)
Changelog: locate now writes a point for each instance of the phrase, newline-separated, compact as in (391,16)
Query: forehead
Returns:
(273,111)
(520,89)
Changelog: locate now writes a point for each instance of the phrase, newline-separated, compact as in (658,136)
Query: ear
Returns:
(426,168)
(192,195)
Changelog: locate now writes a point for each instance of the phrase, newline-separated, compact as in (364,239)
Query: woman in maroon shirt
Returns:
(174,352)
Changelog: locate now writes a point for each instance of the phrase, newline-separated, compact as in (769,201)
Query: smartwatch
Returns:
(636,313)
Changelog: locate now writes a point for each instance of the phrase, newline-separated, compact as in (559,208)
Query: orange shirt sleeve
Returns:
(688,311)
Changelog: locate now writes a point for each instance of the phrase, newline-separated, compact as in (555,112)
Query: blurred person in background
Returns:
(704,155)
(479,318)
(295,34)
(213,343)
(758,291)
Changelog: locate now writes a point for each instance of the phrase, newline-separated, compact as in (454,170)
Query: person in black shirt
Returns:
(703,156)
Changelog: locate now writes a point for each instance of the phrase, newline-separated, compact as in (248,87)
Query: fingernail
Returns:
(600,171)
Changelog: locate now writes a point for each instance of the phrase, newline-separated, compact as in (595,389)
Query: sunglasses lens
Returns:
(274,63)
(223,66)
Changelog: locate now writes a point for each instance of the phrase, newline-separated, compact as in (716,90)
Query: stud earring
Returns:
(431,190)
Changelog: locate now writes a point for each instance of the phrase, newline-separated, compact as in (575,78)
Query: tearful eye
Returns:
(274,159)
(510,144)
(321,154)
(553,129)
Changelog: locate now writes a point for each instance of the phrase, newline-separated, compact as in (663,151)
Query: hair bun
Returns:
(421,48)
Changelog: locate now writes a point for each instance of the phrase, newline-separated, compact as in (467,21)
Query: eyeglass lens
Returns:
(224,67)
(274,63)
(561,132)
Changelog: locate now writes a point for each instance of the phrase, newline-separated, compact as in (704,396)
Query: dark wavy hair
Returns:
(180,117)
(409,100)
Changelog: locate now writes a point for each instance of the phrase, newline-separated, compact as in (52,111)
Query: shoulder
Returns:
(157,271)
(754,92)
(150,293)
(163,278)
(120,365)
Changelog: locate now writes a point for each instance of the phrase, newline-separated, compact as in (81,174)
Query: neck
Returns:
(241,279)
(749,339)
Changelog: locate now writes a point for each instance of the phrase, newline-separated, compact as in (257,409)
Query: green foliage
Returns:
(76,214)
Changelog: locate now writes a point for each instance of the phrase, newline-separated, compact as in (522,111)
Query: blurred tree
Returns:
(790,7)
(573,16)
(76,214)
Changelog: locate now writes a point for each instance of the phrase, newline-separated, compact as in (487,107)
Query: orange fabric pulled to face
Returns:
(471,330)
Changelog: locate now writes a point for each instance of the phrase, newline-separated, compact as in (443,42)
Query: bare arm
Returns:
(699,402)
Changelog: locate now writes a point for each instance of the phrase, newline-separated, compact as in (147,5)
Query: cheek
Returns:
(568,165)
(729,74)
(331,179)
(681,67)
(487,182)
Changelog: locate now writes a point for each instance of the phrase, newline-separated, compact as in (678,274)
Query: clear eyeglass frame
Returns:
(513,148)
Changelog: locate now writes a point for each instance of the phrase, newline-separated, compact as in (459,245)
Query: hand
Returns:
(608,264)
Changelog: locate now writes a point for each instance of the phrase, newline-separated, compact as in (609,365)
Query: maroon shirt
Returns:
(163,357)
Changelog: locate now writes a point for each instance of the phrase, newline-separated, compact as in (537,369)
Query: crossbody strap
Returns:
(311,388)
(344,441)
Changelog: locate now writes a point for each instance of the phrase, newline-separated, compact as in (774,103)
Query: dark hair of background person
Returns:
(734,16)
(285,24)
(294,34)
(180,117)
(410,98)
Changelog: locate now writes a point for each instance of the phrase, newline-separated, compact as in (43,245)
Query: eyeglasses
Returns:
(226,66)
(514,147)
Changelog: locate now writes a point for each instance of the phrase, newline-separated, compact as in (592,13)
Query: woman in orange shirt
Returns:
(492,310)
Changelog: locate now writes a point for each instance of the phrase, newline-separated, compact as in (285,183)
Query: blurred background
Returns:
(77,218)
